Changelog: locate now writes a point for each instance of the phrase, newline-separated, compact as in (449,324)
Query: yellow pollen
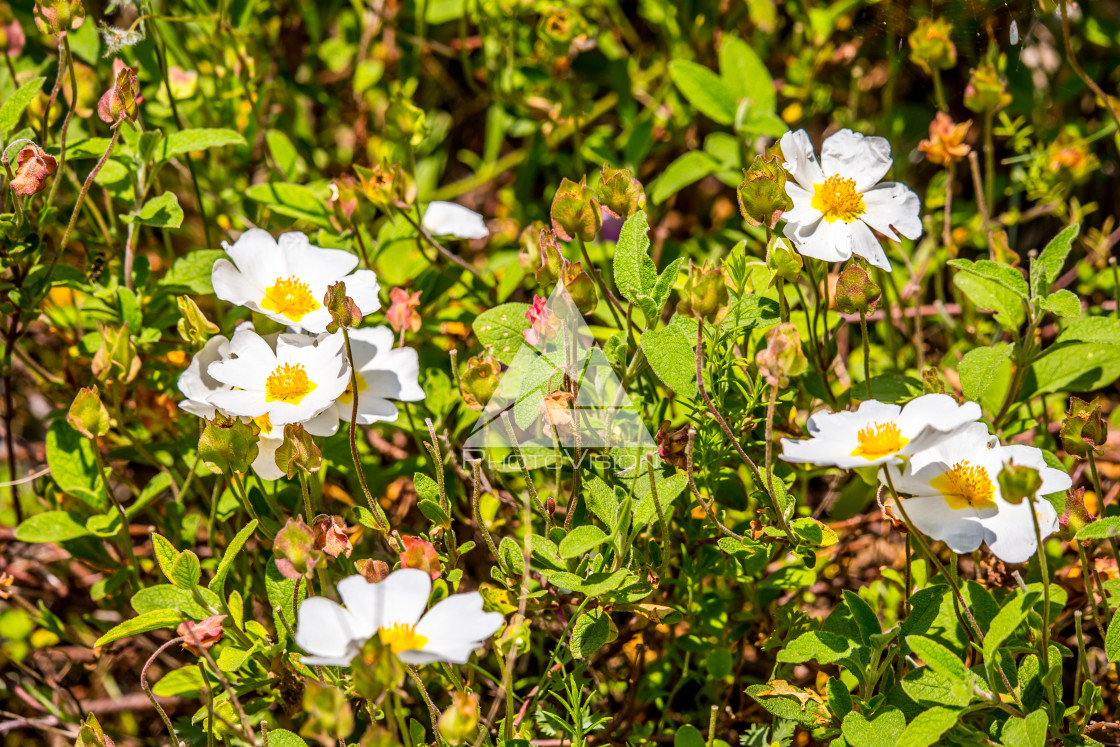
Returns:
(837,199)
(348,396)
(400,637)
(290,297)
(879,440)
(289,384)
(965,484)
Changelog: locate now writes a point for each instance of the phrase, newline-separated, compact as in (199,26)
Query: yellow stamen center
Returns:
(879,440)
(289,384)
(965,484)
(289,297)
(348,396)
(837,199)
(400,637)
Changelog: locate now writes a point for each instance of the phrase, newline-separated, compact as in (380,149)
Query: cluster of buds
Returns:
(782,359)
(1084,429)
(119,103)
(57,17)
(856,292)
(420,554)
(33,167)
(479,381)
(986,92)
(762,195)
(931,45)
(562,33)
(946,144)
(705,294)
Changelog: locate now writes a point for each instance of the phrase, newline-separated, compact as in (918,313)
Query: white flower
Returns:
(393,609)
(956,496)
(197,385)
(286,279)
(291,384)
(452,219)
(836,202)
(385,373)
(878,433)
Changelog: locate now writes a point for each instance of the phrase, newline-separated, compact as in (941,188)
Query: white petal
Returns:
(231,285)
(803,210)
(257,257)
(1010,532)
(316,266)
(893,205)
(960,529)
(855,156)
(195,382)
(249,404)
(822,240)
(363,288)
(801,161)
(325,629)
(325,423)
(866,245)
(400,598)
(938,410)
(452,219)
(265,463)
(457,626)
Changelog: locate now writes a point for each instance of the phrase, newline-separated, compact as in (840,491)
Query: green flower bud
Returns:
(384,186)
(762,195)
(117,357)
(193,325)
(405,121)
(986,91)
(1018,482)
(581,288)
(931,45)
(119,102)
(88,415)
(1084,429)
(575,211)
(328,713)
(344,312)
(479,382)
(855,290)
(92,735)
(551,258)
(458,723)
(227,443)
(705,294)
(619,193)
(298,452)
(56,17)
(294,549)
(784,263)
(782,358)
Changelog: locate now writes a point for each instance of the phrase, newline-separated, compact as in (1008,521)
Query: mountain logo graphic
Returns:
(560,399)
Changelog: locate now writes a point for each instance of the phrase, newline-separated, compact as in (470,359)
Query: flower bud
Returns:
(529,239)
(328,713)
(119,102)
(117,357)
(543,325)
(458,723)
(672,444)
(946,145)
(556,408)
(782,358)
(479,382)
(419,553)
(931,46)
(193,325)
(298,452)
(33,167)
(402,312)
(12,38)
(550,505)
(344,196)
(88,415)
(762,195)
(581,288)
(705,294)
(201,635)
(383,186)
(1084,429)
(619,193)
(294,549)
(406,121)
(1076,516)
(551,258)
(855,290)
(932,383)
(575,211)
(331,536)
(784,263)
(986,92)
(372,570)
(90,734)
(1018,482)
(56,17)
(227,444)
(344,312)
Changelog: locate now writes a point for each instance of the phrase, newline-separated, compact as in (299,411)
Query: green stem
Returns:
(866,353)
(374,507)
(1045,572)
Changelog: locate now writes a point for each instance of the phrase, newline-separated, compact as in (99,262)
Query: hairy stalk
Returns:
(65,122)
(660,517)
(1045,573)
(151,695)
(476,468)
(696,492)
(612,303)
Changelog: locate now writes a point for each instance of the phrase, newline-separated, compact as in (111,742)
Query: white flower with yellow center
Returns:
(878,433)
(837,201)
(955,495)
(291,384)
(286,279)
(393,610)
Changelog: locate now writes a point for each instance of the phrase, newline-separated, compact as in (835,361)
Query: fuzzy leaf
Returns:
(705,90)
(502,329)
(154,620)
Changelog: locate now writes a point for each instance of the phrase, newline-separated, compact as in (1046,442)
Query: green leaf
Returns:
(186,570)
(664,285)
(786,703)
(154,620)
(1105,330)
(162,212)
(1076,367)
(813,532)
(635,274)
(927,687)
(705,90)
(218,583)
(189,141)
(281,595)
(688,168)
(1112,639)
(881,730)
(928,726)
(745,74)
(231,658)
(510,557)
(1010,617)
(193,270)
(668,490)
(168,597)
(51,526)
(1062,303)
(672,358)
(581,540)
(689,736)
(186,681)
(993,290)
(13,108)
(1053,257)
(284,738)
(74,466)
(938,658)
(590,632)
(1026,732)
(825,647)
(1003,275)
(602,501)
(293,200)
(165,553)
(1102,529)
(502,329)
(978,369)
